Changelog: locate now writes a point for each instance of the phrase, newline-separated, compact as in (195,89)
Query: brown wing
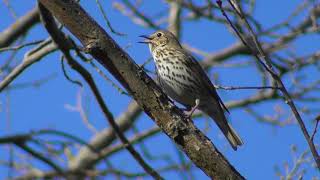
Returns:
(205,80)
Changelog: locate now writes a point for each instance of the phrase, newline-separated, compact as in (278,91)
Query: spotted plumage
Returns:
(183,79)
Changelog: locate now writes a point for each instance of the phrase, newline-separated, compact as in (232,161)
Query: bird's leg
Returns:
(189,113)
(186,108)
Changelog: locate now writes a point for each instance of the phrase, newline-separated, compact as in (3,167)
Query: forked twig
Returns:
(263,59)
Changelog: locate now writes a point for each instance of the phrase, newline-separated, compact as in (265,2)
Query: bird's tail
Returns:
(228,131)
(233,138)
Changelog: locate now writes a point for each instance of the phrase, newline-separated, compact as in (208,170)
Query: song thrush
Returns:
(182,78)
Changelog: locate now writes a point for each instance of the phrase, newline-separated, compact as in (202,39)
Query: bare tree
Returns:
(80,41)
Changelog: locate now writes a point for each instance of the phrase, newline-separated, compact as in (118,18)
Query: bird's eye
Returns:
(159,34)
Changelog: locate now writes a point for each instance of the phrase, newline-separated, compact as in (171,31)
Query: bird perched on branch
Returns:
(182,78)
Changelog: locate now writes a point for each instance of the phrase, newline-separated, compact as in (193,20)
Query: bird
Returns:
(183,79)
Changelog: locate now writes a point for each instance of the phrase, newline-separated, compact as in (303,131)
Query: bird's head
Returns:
(161,38)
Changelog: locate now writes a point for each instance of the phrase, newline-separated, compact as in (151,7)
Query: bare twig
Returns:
(40,157)
(20,27)
(34,83)
(92,173)
(244,87)
(297,170)
(11,9)
(107,20)
(264,60)
(86,157)
(78,107)
(21,141)
(143,17)
(315,128)
(30,58)
(66,75)
(20,46)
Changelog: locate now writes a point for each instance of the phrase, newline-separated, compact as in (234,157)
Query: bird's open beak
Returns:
(146,41)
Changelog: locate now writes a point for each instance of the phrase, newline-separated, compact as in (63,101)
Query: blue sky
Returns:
(45,107)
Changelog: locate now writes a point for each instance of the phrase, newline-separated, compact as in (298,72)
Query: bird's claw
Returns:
(188,112)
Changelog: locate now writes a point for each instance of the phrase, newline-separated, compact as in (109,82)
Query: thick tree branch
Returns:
(62,42)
